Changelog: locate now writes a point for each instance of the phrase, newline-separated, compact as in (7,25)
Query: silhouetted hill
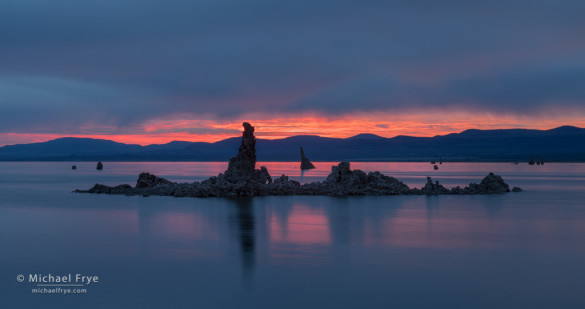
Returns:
(366,136)
(68,146)
(560,144)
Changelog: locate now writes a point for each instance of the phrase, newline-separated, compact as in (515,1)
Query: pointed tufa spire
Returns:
(305,163)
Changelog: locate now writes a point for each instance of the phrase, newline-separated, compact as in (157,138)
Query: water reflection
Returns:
(373,251)
(493,205)
(314,230)
(244,221)
(179,235)
(299,224)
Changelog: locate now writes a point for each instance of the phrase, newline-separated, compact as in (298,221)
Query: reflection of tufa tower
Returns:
(245,224)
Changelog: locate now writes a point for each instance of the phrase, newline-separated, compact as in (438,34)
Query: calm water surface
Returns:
(517,250)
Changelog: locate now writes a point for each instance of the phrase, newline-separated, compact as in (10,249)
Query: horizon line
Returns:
(104,137)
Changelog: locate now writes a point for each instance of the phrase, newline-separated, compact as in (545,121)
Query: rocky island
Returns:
(242,179)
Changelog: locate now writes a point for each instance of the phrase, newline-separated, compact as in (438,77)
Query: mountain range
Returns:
(562,144)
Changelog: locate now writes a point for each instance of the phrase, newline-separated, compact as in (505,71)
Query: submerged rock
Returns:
(305,163)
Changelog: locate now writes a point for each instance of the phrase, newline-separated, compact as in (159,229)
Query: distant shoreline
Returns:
(333,161)
(564,144)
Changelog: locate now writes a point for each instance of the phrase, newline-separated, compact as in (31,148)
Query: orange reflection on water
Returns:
(303,225)
(182,226)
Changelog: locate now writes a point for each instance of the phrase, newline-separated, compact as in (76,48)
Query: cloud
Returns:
(121,63)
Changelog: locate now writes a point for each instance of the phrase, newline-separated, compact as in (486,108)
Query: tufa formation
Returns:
(242,179)
(305,163)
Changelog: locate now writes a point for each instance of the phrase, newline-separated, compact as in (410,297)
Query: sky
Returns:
(154,71)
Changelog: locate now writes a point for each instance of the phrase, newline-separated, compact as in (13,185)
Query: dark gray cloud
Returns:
(67,63)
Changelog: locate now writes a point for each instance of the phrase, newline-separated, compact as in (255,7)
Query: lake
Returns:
(516,250)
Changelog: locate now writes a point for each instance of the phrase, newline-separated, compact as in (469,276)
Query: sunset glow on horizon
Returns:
(382,124)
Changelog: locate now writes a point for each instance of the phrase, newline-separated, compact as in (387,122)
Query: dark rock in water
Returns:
(516,189)
(100,166)
(98,188)
(344,181)
(494,184)
(243,179)
(377,182)
(146,180)
(491,184)
(305,163)
(341,182)
(342,174)
(74,167)
(262,176)
(435,167)
(433,162)
(531,162)
(242,168)
(431,188)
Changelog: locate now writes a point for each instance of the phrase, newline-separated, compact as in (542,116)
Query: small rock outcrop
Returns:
(491,184)
(147,180)
(494,184)
(531,162)
(120,189)
(305,163)
(243,179)
(435,167)
(74,167)
(431,188)
(99,166)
